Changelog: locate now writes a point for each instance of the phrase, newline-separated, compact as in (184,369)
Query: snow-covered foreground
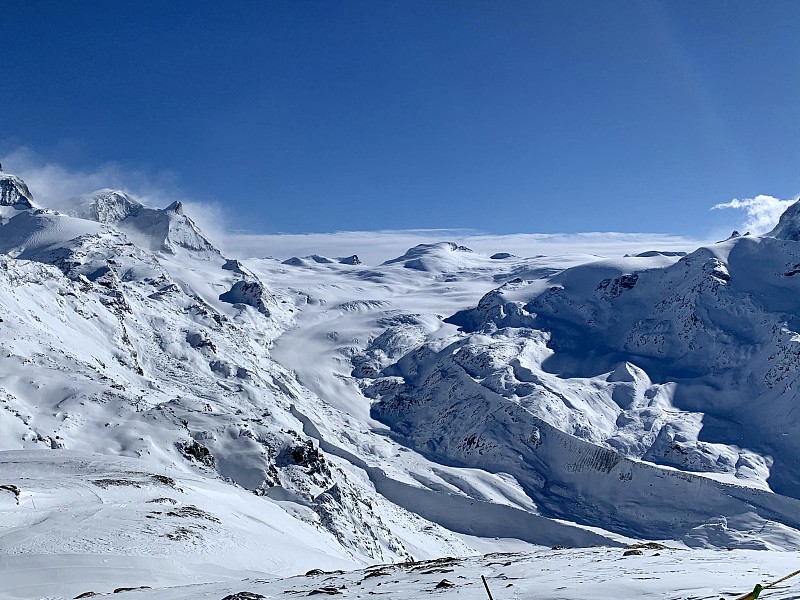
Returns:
(565,574)
(71,520)
(203,426)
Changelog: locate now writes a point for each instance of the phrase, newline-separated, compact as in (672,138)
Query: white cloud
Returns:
(761,213)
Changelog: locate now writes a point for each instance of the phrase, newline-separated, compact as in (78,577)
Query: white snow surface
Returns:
(560,574)
(176,419)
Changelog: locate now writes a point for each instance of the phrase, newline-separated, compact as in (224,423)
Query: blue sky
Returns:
(499,116)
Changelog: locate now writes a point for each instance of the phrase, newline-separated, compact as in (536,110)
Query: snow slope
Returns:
(121,522)
(586,574)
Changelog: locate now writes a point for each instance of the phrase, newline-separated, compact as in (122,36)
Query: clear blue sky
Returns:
(502,116)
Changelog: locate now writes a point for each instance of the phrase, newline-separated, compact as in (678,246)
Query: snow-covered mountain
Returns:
(169,415)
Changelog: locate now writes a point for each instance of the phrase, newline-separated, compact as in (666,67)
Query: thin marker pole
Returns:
(486,585)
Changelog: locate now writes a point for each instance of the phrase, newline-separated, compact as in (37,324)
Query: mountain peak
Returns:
(14,192)
(422,250)
(166,229)
(788,227)
(176,207)
(105,206)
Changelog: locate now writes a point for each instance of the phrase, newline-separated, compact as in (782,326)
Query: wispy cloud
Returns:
(52,183)
(761,213)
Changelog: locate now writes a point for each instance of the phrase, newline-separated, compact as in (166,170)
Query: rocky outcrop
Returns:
(14,192)
(249,293)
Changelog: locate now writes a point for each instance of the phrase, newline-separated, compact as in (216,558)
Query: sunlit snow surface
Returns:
(175,419)
(570,574)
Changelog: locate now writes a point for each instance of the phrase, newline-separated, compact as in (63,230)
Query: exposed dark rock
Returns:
(235,266)
(249,293)
(163,501)
(647,546)
(793,271)
(163,480)
(196,451)
(14,192)
(376,573)
(614,287)
(181,534)
(191,511)
(651,253)
(13,489)
(329,590)
(350,260)
(198,340)
(108,482)
(304,455)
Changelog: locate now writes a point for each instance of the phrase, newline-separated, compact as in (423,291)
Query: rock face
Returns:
(235,266)
(105,206)
(249,293)
(14,192)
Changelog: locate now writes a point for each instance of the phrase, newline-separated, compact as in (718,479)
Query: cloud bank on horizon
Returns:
(53,185)
(374,247)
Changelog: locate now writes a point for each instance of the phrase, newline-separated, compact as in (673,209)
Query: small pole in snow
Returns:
(486,585)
